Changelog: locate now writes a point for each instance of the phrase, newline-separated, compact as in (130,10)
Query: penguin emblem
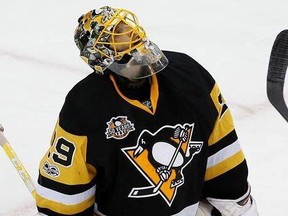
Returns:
(161,157)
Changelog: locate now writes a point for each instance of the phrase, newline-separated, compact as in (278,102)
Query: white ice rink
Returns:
(39,64)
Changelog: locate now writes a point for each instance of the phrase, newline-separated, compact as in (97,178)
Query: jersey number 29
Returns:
(64,152)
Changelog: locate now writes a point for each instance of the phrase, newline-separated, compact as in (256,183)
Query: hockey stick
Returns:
(17,163)
(276,73)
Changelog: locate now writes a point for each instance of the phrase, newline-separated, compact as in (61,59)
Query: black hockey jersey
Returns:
(118,156)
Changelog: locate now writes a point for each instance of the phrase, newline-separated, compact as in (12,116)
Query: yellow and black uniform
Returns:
(155,152)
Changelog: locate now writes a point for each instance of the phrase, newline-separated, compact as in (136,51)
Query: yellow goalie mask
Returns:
(112,38)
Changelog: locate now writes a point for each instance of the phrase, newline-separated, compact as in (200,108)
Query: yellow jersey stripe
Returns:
(62,208)
(224,123)
(224,166)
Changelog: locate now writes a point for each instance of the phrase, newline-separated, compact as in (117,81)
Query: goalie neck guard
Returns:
(97,37)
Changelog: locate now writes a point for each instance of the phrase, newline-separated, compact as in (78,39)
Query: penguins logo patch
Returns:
(119,127)
(161,158)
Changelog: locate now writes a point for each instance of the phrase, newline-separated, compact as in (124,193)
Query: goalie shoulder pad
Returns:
(233,208)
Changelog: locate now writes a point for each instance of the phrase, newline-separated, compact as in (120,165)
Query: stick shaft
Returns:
(17,164)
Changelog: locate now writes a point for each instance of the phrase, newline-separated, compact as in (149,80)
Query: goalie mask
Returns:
(112,38)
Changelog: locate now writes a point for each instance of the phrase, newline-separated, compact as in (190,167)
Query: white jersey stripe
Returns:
(65,198)
(223,154)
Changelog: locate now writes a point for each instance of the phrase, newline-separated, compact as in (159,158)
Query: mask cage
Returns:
(107,37)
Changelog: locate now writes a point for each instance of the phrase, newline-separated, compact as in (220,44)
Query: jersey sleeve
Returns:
(226,170)
(66,182)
